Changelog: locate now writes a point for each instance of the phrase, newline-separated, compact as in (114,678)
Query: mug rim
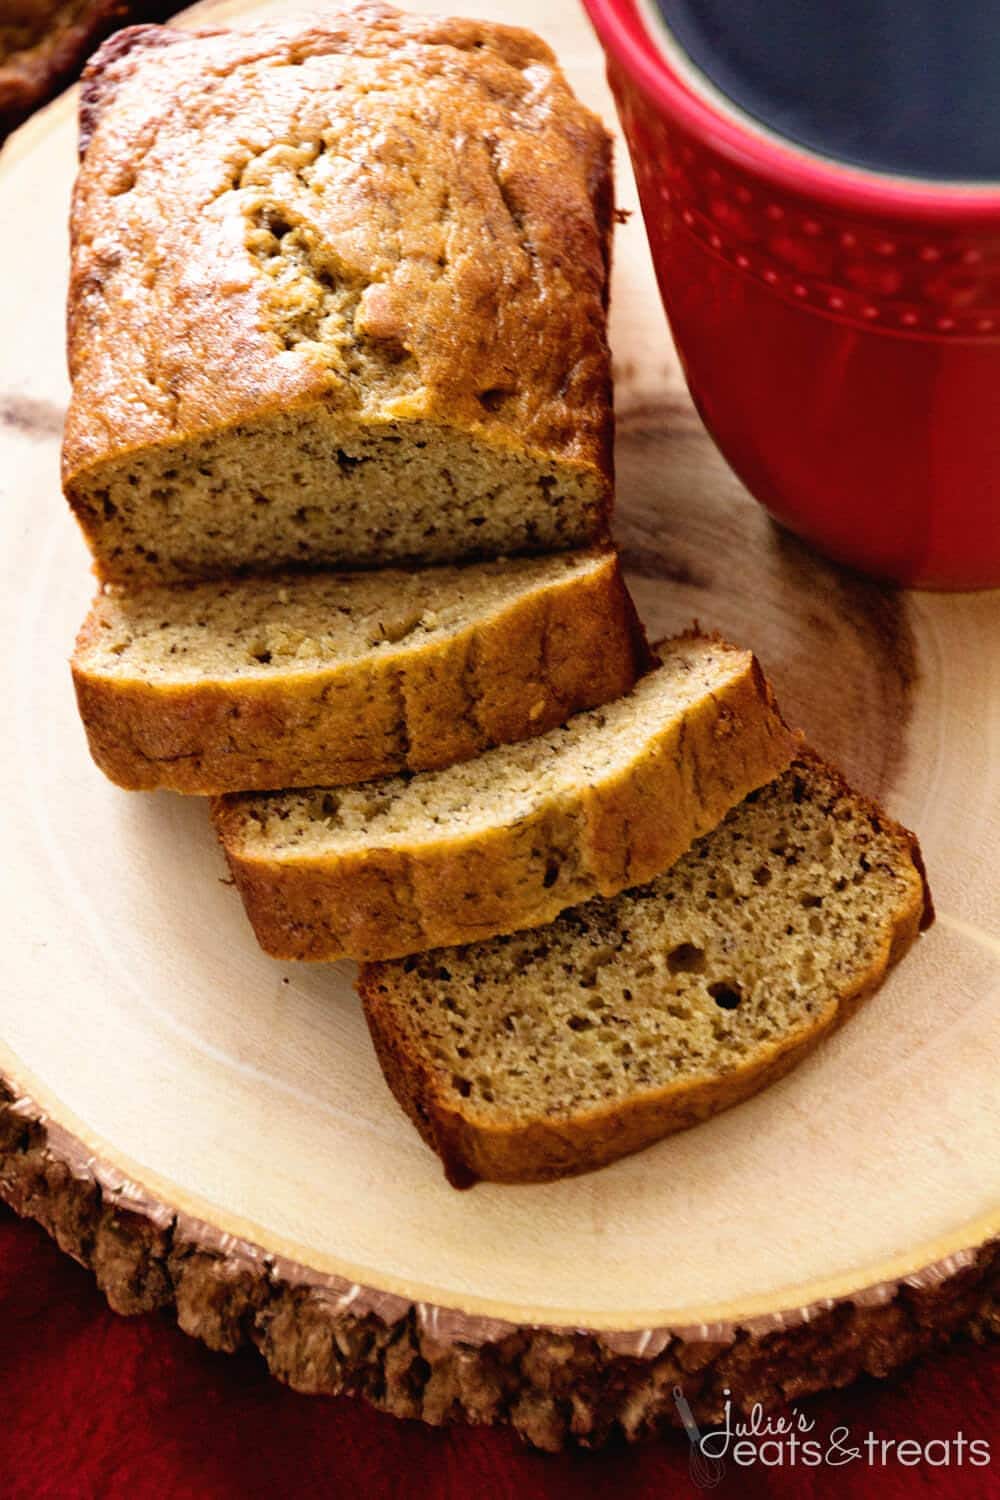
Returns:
(837,183)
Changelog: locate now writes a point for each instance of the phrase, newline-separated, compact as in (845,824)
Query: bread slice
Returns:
(293,680)
(546,1053)
(512,838)
(338,297)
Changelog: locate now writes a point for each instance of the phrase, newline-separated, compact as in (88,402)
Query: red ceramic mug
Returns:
(839,329)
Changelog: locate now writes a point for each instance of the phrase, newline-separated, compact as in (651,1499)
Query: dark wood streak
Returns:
(839,647)
(673,409)
(39,419)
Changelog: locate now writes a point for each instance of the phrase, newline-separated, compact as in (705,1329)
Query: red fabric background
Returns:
(96,1407)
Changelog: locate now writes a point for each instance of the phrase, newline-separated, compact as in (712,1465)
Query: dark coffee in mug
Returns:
(908,87)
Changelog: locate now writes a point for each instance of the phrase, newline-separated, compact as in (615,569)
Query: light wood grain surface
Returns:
(136,1010)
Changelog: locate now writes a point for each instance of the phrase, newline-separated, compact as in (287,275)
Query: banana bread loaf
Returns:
(338,297)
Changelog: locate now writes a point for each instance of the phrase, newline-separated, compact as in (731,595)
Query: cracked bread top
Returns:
(396,216)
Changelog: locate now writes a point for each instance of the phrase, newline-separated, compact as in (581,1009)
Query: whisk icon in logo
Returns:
(705,1472)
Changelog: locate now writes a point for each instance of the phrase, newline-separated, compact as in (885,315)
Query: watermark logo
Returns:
(705,1470)
(791,1439)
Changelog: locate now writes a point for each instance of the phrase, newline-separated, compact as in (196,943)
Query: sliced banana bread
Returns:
(552,1052)
(338,296)
(509,839)
(304,678)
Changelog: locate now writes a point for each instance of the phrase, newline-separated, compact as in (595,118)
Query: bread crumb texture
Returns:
(293,679)
(339,296)
(270,626)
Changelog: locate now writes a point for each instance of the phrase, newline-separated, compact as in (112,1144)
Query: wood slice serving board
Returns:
(208,1129)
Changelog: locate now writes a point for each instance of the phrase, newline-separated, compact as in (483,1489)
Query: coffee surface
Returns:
(902,86)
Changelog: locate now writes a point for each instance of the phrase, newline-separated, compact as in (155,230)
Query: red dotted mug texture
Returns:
(839,330)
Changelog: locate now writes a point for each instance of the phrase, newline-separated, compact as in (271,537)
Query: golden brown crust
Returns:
(542,1150)
(380,903)
(109,62)
(571,644)
(169,335)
